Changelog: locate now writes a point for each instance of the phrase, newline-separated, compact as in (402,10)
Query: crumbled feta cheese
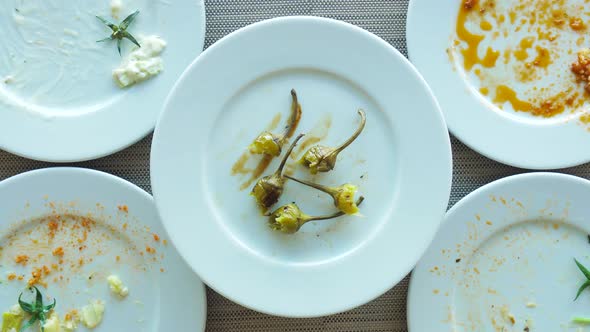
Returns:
(141,64)
(117,286)
(70,322)
(92,314)
(116,6)
(52,323)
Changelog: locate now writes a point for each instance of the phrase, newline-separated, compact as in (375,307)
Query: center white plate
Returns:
(402,163)
(507,249)
(58,100)
(164,294)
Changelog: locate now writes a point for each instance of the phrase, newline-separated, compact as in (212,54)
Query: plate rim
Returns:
(111,180)
(67,154)
(412,300)
(295,20)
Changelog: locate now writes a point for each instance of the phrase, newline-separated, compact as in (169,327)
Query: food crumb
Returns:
(469,4)
(531,305)
(21,259)
(507,315)
(457,260)
(11,276)
(156,237)
(123,208)
(581,68)
(59,251)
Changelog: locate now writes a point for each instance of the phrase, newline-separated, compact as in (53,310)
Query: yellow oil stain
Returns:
(543,58)
(485,25)
(470,53)
(521,53)
(506,94)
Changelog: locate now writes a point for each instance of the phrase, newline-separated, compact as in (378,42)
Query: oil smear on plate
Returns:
(87,261)
(519,54)
(515,277)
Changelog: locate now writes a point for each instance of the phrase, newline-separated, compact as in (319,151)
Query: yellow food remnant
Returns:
(345,199)
(117,286)
(52,324)
(92,314)
(266,143)
(12,319)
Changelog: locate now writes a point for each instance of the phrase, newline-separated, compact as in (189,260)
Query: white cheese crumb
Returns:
(141,64)
(71,32)
(70,323)
(531,305)
(116,6)
(92,314)
(117,286)
(52,323)
(16,310)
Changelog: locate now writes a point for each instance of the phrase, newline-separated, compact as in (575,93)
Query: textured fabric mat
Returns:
(386,18)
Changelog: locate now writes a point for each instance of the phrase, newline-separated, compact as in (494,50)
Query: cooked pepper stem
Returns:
(284,161)
(294,117)
(335,215)
(356,133)
(325,189)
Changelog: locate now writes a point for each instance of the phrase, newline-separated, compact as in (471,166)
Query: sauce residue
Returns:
(257,172)
(317,134)
(275,122)
(539,36)
(239,166)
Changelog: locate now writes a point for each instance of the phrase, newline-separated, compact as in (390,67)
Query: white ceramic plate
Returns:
(58,100)
(507,249)
(401,162)
(511,137)
(126,221)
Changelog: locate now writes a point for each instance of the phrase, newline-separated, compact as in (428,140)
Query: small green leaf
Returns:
(107,23)
(582,288)
(583,269)
(128,20)
(28,308)
(131,38)
(38,299)
(29,324)
(49,307)
(120,31)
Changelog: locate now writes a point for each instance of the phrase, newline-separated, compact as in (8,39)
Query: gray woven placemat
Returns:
(386,18)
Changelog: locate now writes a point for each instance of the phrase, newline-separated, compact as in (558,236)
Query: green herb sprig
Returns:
(37,310)
(586,273)
(120,31)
